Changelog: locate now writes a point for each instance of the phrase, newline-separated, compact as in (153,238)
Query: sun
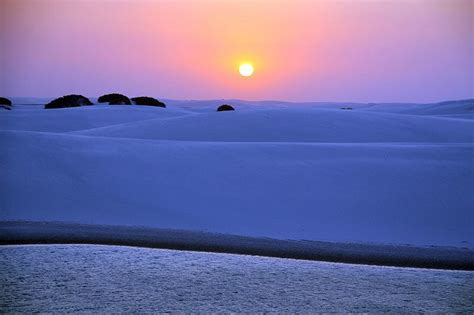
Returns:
(246,69)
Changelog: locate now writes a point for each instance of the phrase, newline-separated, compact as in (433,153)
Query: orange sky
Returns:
(301,50)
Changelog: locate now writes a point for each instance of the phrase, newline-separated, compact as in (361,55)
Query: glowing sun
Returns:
(246,69)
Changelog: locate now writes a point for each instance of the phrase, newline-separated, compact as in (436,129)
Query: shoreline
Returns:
(30,233)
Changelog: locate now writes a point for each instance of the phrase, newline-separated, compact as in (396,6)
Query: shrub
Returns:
(114,99)
(346,107)
(5,101)
(224,107)
(149,101)
(72,100)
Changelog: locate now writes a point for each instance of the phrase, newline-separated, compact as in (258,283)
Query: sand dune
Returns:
(296,125)
(35,118)
(289,173)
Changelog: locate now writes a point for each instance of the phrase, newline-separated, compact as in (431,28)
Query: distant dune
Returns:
(295,125)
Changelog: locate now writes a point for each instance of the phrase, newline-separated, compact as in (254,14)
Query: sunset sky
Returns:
(367,51)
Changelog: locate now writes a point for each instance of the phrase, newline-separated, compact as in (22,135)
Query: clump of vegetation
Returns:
(5,101)
(346,108)
(114,99)
(149,101)
(72,100)
(224,107)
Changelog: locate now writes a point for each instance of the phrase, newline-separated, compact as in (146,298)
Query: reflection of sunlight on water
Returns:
(117,279)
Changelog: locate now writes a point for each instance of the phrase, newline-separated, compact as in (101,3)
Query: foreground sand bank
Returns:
(371,254)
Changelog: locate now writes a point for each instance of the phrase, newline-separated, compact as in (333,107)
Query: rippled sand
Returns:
(72,278)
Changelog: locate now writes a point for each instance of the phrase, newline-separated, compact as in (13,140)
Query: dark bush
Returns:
(114,99)
(5,101)
(224,107)
(72,100)
(346,107)
(149,101)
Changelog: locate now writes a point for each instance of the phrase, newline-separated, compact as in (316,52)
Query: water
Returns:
(84,278)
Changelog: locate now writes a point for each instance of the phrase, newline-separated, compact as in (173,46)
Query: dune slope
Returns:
(384,193)
(296,125)
(269,169)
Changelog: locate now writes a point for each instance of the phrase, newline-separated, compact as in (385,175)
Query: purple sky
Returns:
(302,50)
